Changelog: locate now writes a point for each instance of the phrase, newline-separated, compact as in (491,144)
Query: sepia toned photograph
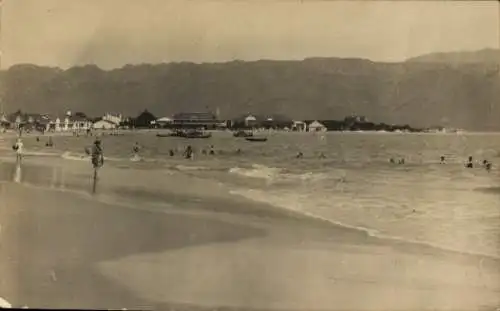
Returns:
(279,155)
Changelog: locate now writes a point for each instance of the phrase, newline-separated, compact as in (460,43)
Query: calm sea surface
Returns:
(422,201)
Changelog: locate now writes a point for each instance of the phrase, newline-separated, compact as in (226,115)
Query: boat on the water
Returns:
(165,135)
(186,134)
(256,139)
(197,134)
(243,134)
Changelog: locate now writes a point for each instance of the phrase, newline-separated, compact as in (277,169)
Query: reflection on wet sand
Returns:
(18,174)
(54,177)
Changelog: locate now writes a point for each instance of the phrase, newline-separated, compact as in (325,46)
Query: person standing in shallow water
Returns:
(136,149)
(97,154)
(469,163)
(19,148)
(487,165)
(188,153)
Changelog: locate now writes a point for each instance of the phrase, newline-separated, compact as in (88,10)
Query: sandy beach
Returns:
(62,247)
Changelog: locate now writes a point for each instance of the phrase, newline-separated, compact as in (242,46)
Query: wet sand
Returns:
(67,250)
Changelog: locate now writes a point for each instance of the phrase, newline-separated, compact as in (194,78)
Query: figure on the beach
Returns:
(188,153)
(322,155)
(469,163)
(401,161)
(443,160)
(171,153)
(97,154)
(212,151)
(299,155)
(391,160)
(49,143)
(18,147)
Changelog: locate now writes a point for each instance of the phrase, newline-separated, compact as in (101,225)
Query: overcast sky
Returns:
(111,33)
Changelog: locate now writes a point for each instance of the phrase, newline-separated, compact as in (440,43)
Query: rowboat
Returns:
(256,139)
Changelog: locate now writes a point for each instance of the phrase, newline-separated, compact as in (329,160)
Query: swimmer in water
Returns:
(487,165)
(322,155)
(469,163)
(171,152)
(212,151)
(188,153)
(300,155)
(136,148)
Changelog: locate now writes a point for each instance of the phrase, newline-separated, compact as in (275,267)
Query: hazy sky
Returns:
(111,33)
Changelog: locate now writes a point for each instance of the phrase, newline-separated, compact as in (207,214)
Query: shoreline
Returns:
(117,246)
(40,175)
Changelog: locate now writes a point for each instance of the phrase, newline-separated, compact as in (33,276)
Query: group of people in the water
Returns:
(188,152)
(442,160)
(49,142)
(96,153)
(300,155)
(485,163)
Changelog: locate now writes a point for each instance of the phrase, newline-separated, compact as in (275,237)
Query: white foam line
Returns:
(4,304)
(372,232)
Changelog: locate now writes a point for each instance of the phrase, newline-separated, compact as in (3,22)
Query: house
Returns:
(246,121)
(116,118)
(250,121)
(162,122)
(4,122)
(77,123)
(277,121)
(315,126)
(299,126)
(104,125)
(354,119)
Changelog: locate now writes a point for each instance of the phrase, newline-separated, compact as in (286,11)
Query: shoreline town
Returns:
(80,122)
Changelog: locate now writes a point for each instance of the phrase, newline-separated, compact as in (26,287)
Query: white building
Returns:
(299,126)
(104,125)
(316,126)
(250,120)
(115,118)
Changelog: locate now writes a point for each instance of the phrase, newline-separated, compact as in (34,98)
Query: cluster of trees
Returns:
(143,120)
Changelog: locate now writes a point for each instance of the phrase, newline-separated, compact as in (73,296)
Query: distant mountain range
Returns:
(487,56)
(451,89)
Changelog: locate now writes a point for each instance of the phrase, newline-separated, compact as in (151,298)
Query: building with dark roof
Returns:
(204,120)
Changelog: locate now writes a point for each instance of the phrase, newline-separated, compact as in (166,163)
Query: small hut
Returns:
(316,126)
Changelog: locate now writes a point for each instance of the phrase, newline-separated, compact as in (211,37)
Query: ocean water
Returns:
(422,201)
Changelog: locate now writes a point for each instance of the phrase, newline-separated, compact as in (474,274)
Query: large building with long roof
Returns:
(206,120)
